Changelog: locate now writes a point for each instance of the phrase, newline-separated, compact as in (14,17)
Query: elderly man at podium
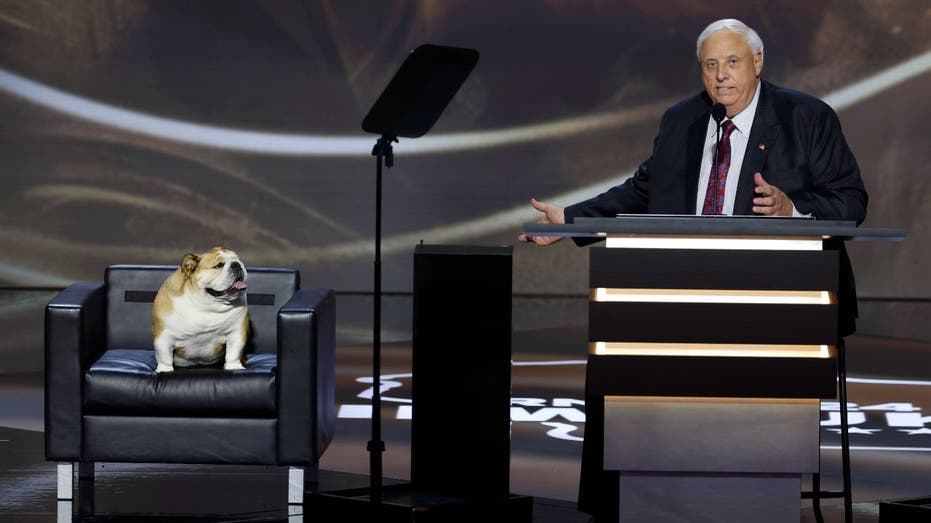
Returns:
(779,153)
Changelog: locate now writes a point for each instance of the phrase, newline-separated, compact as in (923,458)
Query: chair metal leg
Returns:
(65,493)
(311,477)
(66,481)
(85,488)
(64,511)
(295,485)
(65,489)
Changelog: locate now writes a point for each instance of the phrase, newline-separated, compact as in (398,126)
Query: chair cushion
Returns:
(124,382)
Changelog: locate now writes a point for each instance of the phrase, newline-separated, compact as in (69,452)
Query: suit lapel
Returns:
(763,137)
(696,141)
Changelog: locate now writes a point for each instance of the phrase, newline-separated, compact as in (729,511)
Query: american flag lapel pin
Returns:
(762,147)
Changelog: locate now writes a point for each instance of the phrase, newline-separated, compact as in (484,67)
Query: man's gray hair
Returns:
(753,39)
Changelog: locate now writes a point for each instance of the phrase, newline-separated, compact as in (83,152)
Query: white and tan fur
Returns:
(200,315)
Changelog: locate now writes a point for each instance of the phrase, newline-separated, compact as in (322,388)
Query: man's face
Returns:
(730,70)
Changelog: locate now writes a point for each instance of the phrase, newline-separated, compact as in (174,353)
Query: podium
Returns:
(712,341)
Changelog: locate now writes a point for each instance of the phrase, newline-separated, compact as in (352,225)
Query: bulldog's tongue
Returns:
(239,285)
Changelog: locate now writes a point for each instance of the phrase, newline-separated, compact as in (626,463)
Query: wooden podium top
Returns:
(687,224)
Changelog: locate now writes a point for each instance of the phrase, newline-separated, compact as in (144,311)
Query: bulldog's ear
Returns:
(189,263)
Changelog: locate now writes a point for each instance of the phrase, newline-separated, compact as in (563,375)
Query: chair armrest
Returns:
(74,338)
(307,375)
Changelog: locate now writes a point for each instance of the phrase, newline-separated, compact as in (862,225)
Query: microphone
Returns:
(717,113)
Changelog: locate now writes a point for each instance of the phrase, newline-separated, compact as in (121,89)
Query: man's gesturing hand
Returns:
(551,214)
(769,199)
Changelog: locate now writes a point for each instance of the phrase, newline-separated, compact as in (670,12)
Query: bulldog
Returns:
(200,315)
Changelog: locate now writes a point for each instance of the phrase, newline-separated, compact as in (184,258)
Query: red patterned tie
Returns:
(714,195)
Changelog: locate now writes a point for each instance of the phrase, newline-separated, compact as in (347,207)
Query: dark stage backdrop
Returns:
(135,131)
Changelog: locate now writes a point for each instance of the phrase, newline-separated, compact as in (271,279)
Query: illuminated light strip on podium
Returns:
(751,243)
(605,348)
(602,294)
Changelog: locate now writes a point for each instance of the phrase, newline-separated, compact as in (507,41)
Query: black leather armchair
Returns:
(105,403)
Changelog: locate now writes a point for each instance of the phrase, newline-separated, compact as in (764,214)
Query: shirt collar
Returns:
(744,120)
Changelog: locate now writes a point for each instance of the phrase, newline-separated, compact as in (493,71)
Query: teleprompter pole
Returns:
(383,153)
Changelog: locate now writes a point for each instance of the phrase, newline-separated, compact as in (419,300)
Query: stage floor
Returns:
(891,457)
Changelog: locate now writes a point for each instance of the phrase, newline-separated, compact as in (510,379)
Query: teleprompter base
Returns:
(402,503)
(905,510)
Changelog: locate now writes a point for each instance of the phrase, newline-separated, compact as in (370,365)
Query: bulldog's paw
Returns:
(233,365)
(164,368)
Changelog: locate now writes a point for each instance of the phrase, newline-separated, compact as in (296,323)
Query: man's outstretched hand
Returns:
(551,214)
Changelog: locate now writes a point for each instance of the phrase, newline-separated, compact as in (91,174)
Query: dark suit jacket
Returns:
(804,154)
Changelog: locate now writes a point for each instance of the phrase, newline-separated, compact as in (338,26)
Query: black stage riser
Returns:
(461,362)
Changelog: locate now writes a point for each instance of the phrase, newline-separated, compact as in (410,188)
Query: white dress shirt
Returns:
(743,122)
